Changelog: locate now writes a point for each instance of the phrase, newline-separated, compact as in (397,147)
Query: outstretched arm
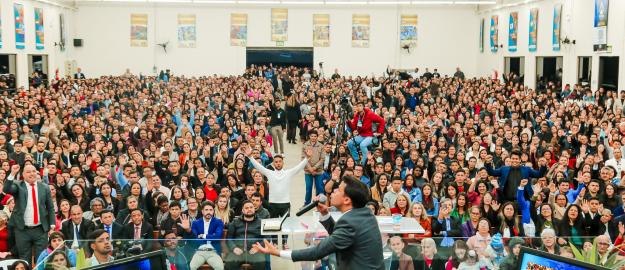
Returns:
(293,171)
(259,167)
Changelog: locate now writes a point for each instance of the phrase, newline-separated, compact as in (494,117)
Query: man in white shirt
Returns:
(617,162)
(209,228)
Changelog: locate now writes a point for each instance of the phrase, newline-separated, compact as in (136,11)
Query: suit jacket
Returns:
(214,235)
(20,192)
(85,228)
(79,76)
(455,224)
(146,234)
(437,263)
(117,230)
(355,238)
(44,156)
(526,173)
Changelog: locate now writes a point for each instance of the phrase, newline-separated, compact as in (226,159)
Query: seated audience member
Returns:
(391,195)
(402,205)
(418,212)
(223,211)
(175,255)
(429,259)
(172,221)
(549,244)
(58,260)
(261,212)
(481,240)
(138,230)
(55,244)
(96,205)
(108,224)
(77,228)
(5,247)
(399,259)
(209,228)
(243,232)
(512,261)
(458,255)
(100,245)
(470,226)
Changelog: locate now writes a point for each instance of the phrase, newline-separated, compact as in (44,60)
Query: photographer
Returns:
(362,125)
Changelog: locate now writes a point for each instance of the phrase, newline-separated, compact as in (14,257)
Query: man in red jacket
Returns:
(362,126)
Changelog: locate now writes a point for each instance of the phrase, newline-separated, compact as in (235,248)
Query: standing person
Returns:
(278,124)
(279,181)
(293,115)
(355,237)
(510,176)
(362,126)
(32,224)
(314,167)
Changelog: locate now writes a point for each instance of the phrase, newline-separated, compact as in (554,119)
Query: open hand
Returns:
(269,248)
(185,223)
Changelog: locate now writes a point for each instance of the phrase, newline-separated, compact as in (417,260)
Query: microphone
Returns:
(308,207)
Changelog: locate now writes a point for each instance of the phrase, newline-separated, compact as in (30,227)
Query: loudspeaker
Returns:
(77,42)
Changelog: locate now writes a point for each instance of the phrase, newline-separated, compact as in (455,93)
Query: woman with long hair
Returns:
(417,211)
(489,208)
(200,195)
(461,211)
(380,188)
(110,202)
(411,188)
(235,187)
(178,195)
(458,255)
(402,205)
(509,223)
(293,115)
(573,226)
(79,197)
(223,210)
(430,202)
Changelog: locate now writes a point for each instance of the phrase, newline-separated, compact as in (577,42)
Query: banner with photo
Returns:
(360,30)
(238,29)
(533,37)
(39,33)
(321,30)
(482,35)
(279,24)
(494,33)
(513,29)
(138,30)
(408,30)
(18,10)
(186,31)
(600,40)
(557,21)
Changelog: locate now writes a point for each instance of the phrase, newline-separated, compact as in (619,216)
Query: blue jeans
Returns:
(319,187)
(363,143)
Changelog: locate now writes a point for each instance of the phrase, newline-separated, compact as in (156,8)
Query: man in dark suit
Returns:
(139,230)
(355,238)
(33,216)
(79,75)
(115,230)
(41,155)
(510,176)
(76,229)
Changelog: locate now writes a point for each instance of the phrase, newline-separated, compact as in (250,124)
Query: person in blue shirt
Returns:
(55,241)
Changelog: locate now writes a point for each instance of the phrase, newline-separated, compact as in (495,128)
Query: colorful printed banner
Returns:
(494,33)
(18,10)
(482,35)
(557,20)
(39,40)
(600,40)
(360,30)
(533,37)
(321,30)
(138,30)
(513,29)
(238,29)
(279,24)
(186,31)
(408,30)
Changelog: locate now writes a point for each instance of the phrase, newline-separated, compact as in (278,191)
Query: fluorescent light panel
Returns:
(475,2)
(432,2)
(258,2)
(302,2)
(214,1)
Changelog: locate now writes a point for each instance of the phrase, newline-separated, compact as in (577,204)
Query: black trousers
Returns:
(277,210)
(291,130)
(28,239)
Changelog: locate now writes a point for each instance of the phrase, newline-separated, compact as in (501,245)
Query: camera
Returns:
(345,103)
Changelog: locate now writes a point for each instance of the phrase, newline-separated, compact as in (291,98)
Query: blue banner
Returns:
(601,12)
(512,31)
(533,35)
(557,21)
(494,33)
(18,10)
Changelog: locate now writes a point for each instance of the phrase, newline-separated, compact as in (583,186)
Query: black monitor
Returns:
(533,259)
(148,261)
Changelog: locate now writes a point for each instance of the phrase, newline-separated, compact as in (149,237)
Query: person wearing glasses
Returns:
(469,228)
(100,244)
(548,239)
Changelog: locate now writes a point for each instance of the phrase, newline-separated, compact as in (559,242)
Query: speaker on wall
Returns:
(77,42)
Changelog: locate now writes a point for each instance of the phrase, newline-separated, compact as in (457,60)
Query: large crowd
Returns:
(484,165)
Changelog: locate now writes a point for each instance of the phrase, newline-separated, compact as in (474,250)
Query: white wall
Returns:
(51,13)
(577,24)
(443,33)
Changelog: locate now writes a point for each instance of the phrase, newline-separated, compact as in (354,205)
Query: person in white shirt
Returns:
(618,163)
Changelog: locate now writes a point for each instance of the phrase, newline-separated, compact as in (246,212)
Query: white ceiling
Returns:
(297,2)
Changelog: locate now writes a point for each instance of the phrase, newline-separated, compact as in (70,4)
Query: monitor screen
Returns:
(532,259)
(149,261)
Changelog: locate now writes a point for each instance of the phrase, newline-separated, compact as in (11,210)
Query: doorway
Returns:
(515,65)
(8,74)
(298,57)
(37,69)
(608,72)
(584,70)
(549,69)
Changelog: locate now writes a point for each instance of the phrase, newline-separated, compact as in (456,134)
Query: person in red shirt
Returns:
(362,127)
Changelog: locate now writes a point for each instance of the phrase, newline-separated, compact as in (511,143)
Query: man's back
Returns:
(355,238)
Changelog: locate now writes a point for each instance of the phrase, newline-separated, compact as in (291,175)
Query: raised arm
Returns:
(293,171)
(260,167)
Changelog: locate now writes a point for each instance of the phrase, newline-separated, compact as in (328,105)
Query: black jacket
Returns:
(244,234)
(293,114)
(146,234)
(278,117)
(84,229)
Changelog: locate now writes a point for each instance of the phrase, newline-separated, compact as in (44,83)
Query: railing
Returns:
(239,253)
